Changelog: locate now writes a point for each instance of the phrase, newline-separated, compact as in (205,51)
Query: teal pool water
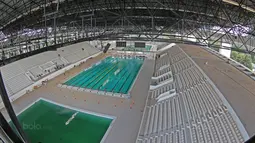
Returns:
(148,48)
(113,74)
(46,122)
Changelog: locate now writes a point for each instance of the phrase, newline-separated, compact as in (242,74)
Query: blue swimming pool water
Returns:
(113,74)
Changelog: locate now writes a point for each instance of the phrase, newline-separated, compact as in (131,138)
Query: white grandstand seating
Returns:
(18,82)
(59,61)
(35,71)
(64,52)
(77,52)
(181,65)
(50,54)
(162,78)
(36,60)
(72,58)
(162,71)
(18,75)
(46,65)
(92,50)
(166,95)
(154,86)
(196,114)
(82,53)
(162,89)
(162,63)
(11,70)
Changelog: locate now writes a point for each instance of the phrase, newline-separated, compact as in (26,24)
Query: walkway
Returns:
(237,88)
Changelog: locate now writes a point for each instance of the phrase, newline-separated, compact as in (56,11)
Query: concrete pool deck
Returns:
(236,87)
(128,112)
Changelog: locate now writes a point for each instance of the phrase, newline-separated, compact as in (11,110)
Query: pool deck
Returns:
(236,87)
(128,112)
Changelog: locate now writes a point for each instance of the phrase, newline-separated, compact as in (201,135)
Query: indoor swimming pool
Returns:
(113,74)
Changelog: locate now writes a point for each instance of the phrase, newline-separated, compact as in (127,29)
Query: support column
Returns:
(55,30)
(6,132)
(225,50)
(82,24)
(10,110)
(45,25)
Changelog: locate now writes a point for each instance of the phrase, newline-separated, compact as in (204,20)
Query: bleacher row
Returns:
(162,89)
(162,78)
(22,73)
(196,114)
(188,78)
(162,71)
(161,63)
(182,65)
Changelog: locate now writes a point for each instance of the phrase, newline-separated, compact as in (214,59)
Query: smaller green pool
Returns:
(46,122)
